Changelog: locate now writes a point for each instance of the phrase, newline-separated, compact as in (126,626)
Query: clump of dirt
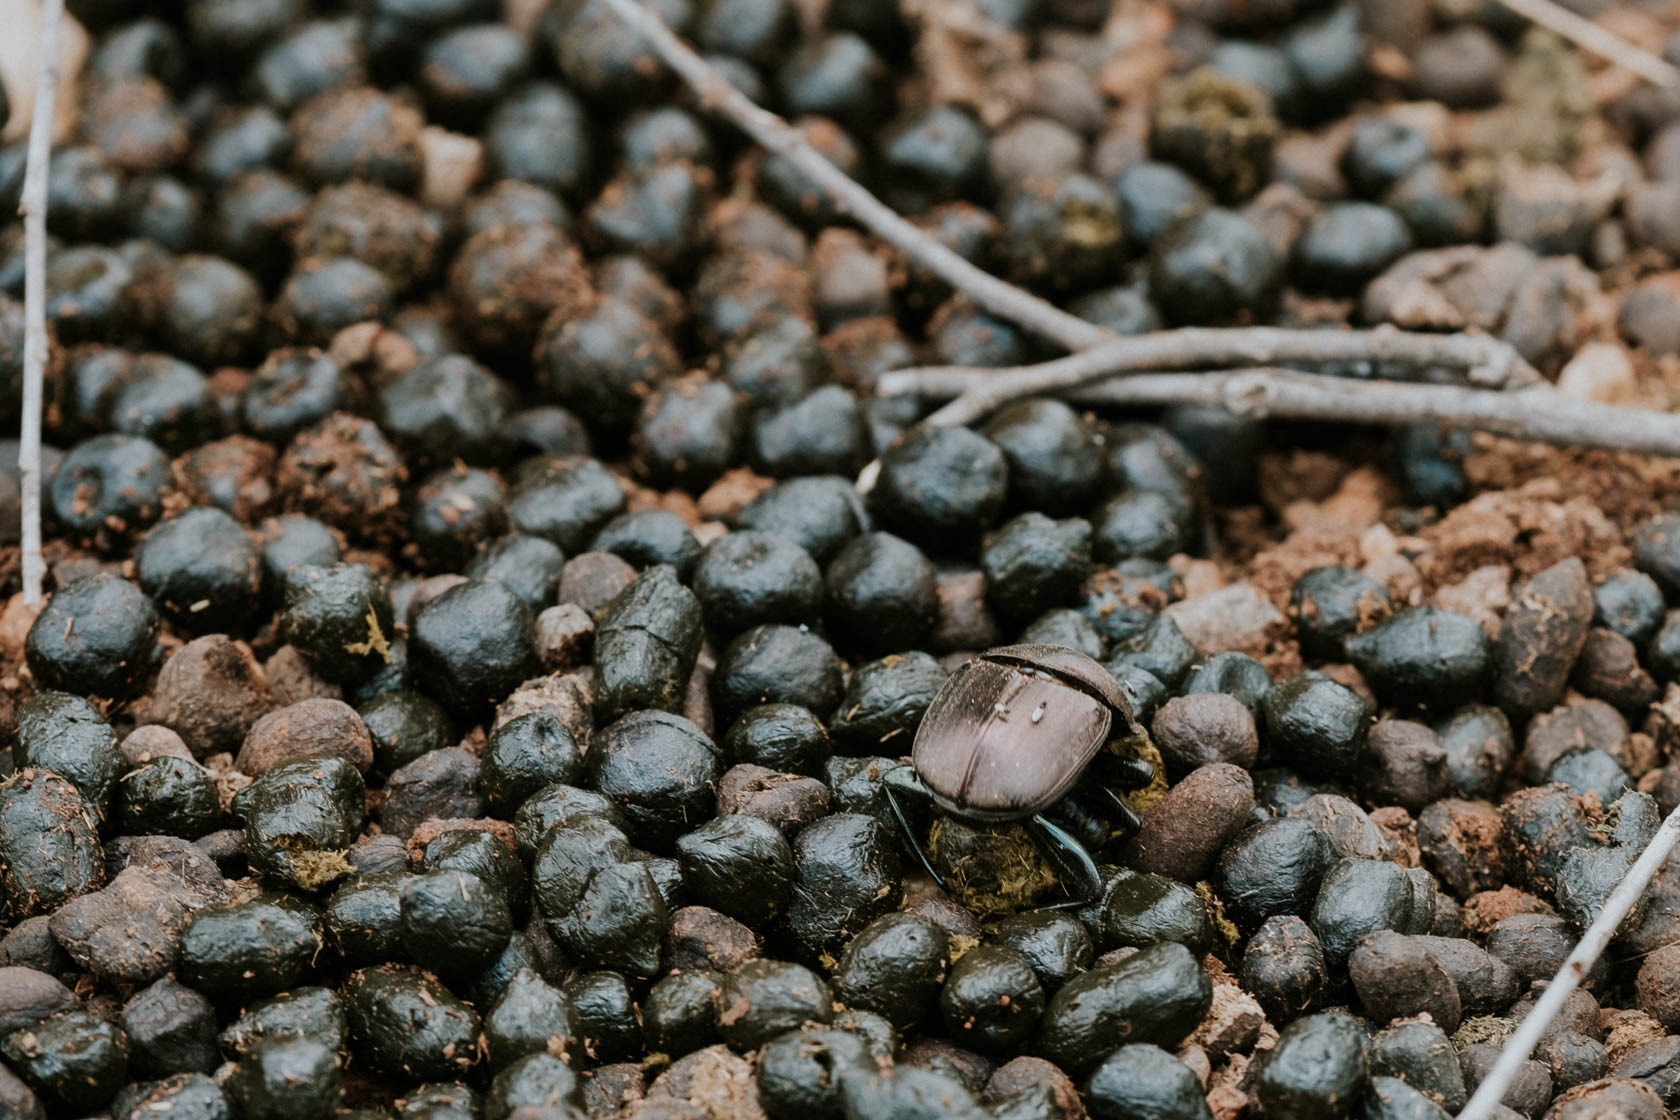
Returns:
(967,58)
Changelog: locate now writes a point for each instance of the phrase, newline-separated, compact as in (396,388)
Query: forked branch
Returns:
(1481,359)
(1540,414)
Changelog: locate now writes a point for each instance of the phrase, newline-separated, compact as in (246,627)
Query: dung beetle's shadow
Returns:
(1018,734)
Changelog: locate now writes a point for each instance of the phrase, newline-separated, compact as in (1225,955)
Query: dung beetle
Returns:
(1018,734)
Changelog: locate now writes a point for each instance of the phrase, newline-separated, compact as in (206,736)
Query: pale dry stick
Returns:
(34,209)
(979,392)
(1579,962)
(1589,36)
(1540,414)
(1486,360)
(774,134)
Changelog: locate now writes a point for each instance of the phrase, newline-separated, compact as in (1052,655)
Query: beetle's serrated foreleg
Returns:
(1122,771)
(904,781)
(1078,871)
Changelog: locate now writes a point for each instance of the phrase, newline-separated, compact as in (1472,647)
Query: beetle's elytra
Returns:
(1018,734)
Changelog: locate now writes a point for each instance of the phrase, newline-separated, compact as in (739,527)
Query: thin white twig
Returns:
(1540,414)
(776,135)
(976,393)
(1589,36)
(1484,360)
(34,209)
(1575,967)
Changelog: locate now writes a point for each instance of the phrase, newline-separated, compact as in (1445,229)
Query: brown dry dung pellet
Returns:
(788,801)
(1608,669)
(1553,734)
(345,472)
(317,728)
(210,692)
(1204,727)
(700,937)
(1657,987)
(150,741)
(591,580)
(1183,833)
(1405,764)
(564,635)
(1540,637)
(1461,842)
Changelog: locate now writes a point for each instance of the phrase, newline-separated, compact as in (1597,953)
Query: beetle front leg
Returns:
(904,780)
(1111,773)
(1072,862)
(1122,771)
(1126,822)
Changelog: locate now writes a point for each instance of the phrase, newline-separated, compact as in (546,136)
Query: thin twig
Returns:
(776,135)
(34,209)
(1540,414)
(1485,360)
(1575,967)
(1589,36)
(976,393)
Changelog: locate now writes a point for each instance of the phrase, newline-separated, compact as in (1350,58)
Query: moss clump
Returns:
(960,945)
(1091,227)
(313,870)
(1066,234)
(1139,746)
(1220,129)
(1229,935)
(1548,114)
(990,870)
(1483,1028)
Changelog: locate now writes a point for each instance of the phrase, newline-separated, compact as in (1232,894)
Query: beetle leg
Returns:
(1124,820)
(1087,822)
(1125,771)
(905,780)
(1078,871)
